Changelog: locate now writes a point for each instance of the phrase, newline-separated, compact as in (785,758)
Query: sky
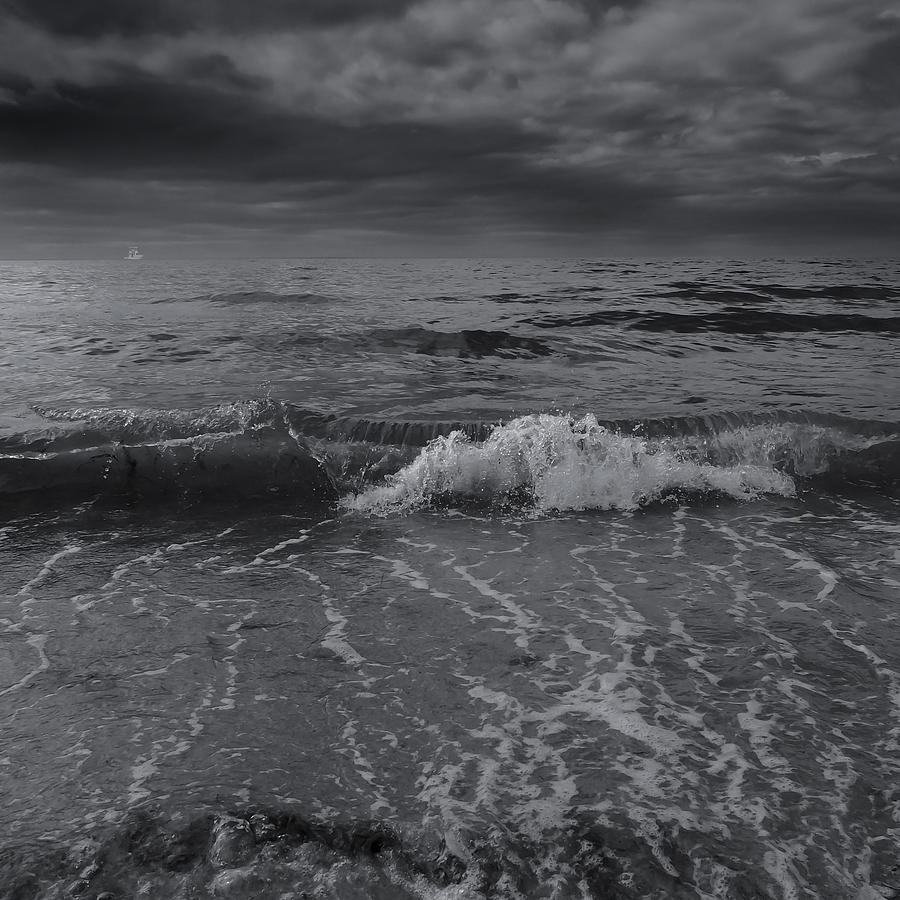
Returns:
(449,127)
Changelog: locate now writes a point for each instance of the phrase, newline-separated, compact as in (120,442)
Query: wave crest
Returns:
(542,461)
(558,463)
(236,450)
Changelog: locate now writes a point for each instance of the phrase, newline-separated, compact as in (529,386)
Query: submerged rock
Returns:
(263,828)
(233,843)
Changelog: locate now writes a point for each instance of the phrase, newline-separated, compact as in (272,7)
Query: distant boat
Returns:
(134,253)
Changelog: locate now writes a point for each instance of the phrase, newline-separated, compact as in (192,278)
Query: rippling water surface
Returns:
(450,579)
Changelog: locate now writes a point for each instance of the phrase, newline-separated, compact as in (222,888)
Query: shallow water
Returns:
(331,593)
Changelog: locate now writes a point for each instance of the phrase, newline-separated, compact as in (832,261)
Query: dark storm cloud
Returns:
(661,118)
(880,72)
(148,127)
(94,18)
(218,69)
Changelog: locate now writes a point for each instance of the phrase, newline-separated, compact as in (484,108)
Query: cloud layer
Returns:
(346,126)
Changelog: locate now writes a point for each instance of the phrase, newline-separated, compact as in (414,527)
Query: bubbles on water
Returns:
(561,463)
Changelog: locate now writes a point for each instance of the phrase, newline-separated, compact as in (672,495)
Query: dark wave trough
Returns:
(468,343)
(729,321)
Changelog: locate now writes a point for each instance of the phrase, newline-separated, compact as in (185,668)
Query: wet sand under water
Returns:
(683,701)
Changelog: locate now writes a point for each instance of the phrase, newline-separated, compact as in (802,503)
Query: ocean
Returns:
(450,579)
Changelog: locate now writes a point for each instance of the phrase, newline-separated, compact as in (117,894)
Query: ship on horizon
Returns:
(134,253)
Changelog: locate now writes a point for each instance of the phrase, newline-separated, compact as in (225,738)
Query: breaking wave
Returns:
(543,462)
(559,463)
(227,452)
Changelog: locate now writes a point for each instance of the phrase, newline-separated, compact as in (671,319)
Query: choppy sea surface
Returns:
(453,580)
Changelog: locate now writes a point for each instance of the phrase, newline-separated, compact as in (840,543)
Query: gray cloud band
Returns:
(662,118)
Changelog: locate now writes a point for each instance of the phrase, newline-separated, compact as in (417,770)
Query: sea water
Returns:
(450,579)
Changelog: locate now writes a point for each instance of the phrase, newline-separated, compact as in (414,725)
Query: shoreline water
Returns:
(631,632)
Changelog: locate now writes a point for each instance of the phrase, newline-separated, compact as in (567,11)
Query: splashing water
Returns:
(561,463)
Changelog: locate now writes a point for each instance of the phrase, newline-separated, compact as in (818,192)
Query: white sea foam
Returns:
(562,463)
